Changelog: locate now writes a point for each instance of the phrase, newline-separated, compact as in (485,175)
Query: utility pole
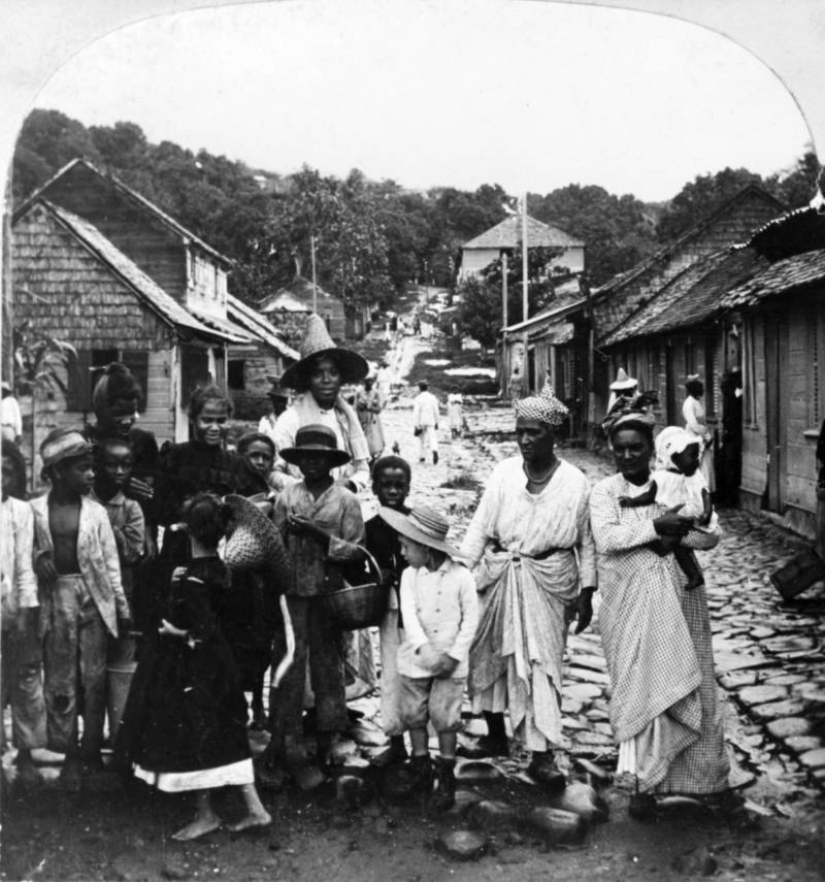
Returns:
(504,321)
(524,292)
(314,279)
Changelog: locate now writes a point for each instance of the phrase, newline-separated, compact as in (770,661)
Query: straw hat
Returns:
(253,541)
(317,341)
(314,438)
(623,382)
(423,525)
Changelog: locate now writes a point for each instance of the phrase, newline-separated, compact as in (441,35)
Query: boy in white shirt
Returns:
(439,608)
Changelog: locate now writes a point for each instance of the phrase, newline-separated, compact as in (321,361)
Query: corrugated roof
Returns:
(554,313)
(782,277)
(692,297)
(161,215)
(149,291)
(256,324)
(507,234)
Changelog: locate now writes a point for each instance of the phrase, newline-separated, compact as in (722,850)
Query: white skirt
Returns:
(241,772)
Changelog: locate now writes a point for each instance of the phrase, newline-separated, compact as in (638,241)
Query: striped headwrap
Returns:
(62,444)
(544,408)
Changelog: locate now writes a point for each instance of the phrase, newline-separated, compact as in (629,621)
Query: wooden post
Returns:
(314,280)
(504,321)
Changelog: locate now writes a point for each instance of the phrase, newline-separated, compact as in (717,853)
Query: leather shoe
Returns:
(485,746)
(544,772)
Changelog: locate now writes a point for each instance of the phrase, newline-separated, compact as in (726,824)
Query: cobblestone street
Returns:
(769,654)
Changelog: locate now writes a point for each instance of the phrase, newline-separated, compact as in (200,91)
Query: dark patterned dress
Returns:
(184,727)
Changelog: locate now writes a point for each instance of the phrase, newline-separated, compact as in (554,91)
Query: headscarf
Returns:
(671,440)
(63,444)
(638,420)
(544,408)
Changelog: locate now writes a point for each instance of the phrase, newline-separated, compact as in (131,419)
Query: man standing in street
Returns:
(425,421)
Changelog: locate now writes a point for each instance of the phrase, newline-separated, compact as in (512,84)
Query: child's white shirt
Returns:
(439,608)
(674,488)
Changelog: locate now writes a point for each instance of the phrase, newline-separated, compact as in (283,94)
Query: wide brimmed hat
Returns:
(316,342)
(423,525)
(623,382)
(312,439)
(254,542)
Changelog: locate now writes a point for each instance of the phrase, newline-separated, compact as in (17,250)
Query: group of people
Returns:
(209,565)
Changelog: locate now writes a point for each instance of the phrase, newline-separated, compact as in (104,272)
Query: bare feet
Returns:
(202,825)
(252,823)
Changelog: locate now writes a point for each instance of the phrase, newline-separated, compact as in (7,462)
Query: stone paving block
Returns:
(813,759)
(462,845)
(788,727)
(587,675)
(738,679)
(786,680)
(777,709)
(762,694)
(557,825)
(492,814)
(803,743)
(584,692)
(583,800)
(570,706)
(592,739)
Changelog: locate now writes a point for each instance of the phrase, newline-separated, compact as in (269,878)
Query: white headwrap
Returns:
(673,439)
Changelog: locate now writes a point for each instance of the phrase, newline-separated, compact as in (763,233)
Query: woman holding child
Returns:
(656,634)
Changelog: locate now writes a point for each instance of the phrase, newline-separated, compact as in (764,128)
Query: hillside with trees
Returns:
(372,237)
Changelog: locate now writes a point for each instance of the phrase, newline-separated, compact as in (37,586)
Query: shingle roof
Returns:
(507,234)
(232,332)
(256,324)
(792,233)
(295,297)
(149,292)
(162,216)
(692,297)
(667,250)
(787,275)
(552,313)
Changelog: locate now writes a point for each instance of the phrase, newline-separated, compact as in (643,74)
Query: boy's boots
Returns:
(421,774)
(445,793)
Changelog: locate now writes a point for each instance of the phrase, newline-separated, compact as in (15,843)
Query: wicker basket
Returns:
(358,606)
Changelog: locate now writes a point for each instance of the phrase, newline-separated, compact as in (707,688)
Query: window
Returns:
(235,375)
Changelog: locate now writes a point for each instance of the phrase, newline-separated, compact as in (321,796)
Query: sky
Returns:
(532,96)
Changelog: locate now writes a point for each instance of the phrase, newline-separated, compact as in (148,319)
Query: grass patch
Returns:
(441,382)
(462,481)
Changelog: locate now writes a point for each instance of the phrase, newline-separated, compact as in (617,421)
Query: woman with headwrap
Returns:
(531,534)
(656,635)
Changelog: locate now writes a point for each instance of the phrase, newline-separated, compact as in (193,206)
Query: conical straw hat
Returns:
(622,381)
(253,542)
(317,341)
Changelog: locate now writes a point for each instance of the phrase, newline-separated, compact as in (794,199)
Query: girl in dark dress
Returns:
(184,727)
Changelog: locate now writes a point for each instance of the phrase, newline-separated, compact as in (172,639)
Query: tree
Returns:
(480,313)
(797,186)
(701,197)
(617,231)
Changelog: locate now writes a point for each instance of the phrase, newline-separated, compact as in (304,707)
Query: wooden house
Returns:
(624,296)
(480,252)
(780,313)
(290,307)
(100,266)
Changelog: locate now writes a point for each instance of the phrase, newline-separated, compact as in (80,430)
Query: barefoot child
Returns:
(321,523)
(81,598)
(440,613)
(391,484)
(113,469)
(22,684)
(184,727)
(678,483)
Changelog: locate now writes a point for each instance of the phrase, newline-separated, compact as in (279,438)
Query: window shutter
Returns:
(79,392)
(138,364)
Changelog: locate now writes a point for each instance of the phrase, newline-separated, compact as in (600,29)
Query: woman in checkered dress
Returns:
(656,636)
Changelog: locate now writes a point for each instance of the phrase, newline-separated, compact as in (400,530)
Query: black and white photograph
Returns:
(413,440)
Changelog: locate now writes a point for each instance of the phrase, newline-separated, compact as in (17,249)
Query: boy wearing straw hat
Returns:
(321,523)
(440,613)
